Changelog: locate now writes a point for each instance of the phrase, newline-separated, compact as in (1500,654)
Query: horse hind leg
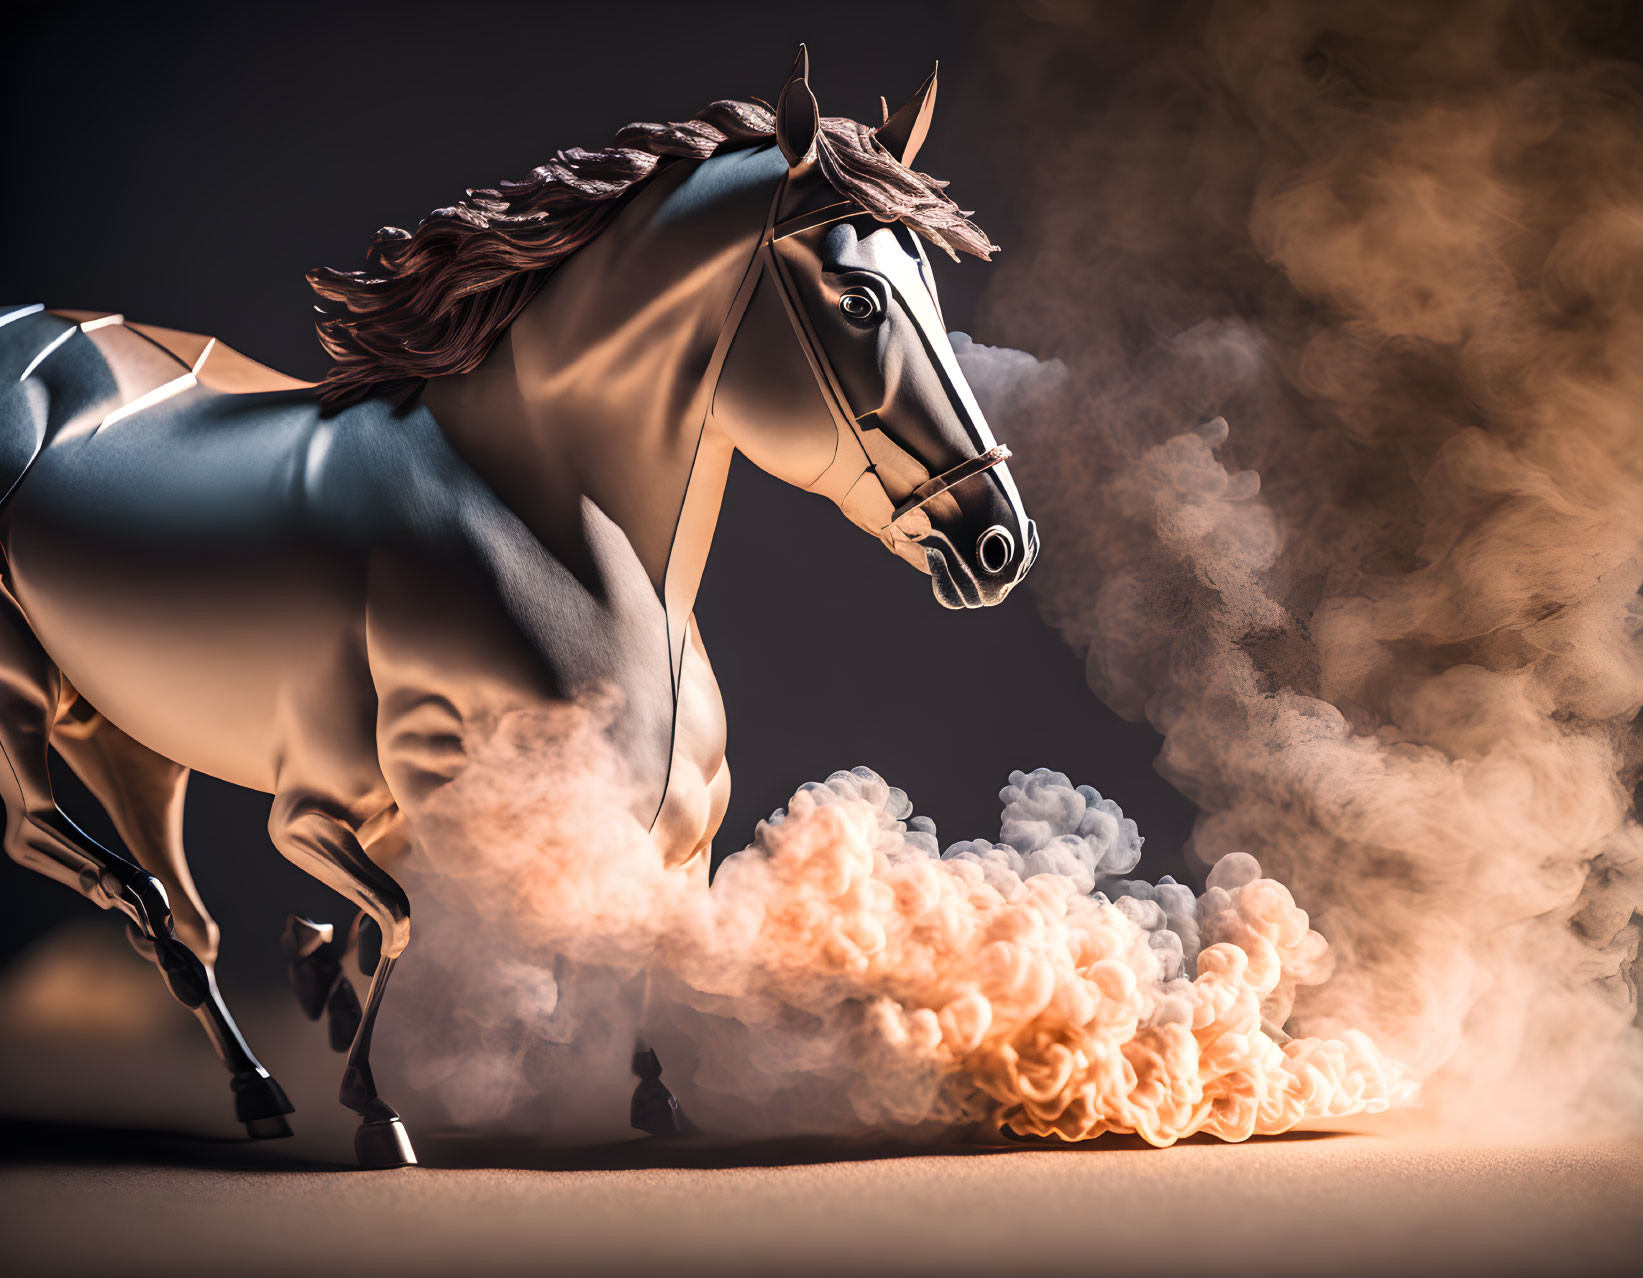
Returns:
(41,837)
(319,952)
(319,978)
(143,793)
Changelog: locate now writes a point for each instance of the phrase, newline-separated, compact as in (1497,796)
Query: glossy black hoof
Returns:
(268,1128)
(258,1098)
(384,1144)
(654,1109)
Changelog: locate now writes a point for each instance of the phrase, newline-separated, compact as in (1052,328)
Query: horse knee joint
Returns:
(203,936)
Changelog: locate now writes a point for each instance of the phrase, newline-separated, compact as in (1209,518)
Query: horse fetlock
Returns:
(359,1092)
(142,898)
(185,974)
(258,1097)
(343,1015)
(188,979)
(201,936)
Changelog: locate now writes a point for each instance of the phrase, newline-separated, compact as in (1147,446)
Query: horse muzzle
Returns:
(995,566)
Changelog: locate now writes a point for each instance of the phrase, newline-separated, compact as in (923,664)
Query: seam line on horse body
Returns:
(157,345)
(21,313)
(728,328)
(45,354)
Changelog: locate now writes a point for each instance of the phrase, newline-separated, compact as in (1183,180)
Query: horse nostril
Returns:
(994,550)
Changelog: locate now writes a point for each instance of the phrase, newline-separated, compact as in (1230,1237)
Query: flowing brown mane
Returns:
(433,301)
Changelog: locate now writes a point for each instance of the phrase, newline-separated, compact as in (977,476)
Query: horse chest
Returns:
(505,631)
(698,787)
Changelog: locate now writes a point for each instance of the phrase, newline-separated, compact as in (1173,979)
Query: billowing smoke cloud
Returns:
(1387,620)
(845,975)
(1340,477)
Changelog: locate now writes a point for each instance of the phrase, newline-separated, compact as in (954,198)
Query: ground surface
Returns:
(118,1156)
(77,1202)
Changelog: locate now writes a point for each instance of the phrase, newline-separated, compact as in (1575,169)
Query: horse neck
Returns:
(597,393)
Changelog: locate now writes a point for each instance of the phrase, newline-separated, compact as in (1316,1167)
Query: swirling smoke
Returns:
(1388,620)
(1338,461)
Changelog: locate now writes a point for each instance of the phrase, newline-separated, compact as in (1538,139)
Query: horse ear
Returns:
(798,118)
(904,132)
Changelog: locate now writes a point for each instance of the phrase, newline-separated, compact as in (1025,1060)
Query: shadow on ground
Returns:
(36,1141)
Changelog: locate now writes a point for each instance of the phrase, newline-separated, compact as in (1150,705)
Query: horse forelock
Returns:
(433,301)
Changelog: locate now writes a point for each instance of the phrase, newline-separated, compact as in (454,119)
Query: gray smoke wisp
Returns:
(1340,478)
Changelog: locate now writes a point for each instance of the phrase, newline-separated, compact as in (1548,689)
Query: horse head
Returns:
(839,376)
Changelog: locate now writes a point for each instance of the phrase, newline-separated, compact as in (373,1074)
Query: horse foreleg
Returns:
(40,835)
(143,795)
(316,836)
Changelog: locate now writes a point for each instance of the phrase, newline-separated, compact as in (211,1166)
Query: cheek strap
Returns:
(842,479)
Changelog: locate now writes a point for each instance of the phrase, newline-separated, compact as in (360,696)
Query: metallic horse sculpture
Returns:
(503,496)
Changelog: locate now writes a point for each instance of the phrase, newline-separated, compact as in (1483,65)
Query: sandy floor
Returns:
(118,1154)
(82,1202)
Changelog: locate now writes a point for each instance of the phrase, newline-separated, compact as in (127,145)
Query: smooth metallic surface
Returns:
(903,133)
(202,571)
(384,1143)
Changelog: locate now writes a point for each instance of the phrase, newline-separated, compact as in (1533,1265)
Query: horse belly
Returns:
(207,653)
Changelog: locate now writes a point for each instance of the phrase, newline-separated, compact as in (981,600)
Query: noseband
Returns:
(766,261)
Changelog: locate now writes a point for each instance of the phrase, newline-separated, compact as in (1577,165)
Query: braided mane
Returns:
(433,301)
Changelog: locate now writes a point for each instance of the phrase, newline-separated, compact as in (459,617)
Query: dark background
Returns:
(186,167)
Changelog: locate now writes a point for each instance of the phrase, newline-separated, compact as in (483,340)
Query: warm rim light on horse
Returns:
(500,502)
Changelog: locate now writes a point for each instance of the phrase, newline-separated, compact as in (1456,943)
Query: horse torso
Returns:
(260,592)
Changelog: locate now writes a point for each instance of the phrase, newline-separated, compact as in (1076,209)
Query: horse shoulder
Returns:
(474,625)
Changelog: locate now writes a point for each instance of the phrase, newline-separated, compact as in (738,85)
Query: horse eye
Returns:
(859,305)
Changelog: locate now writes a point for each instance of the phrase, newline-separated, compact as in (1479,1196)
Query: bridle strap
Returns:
(763,261)
(933,487)
(733,322)
(816,217)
